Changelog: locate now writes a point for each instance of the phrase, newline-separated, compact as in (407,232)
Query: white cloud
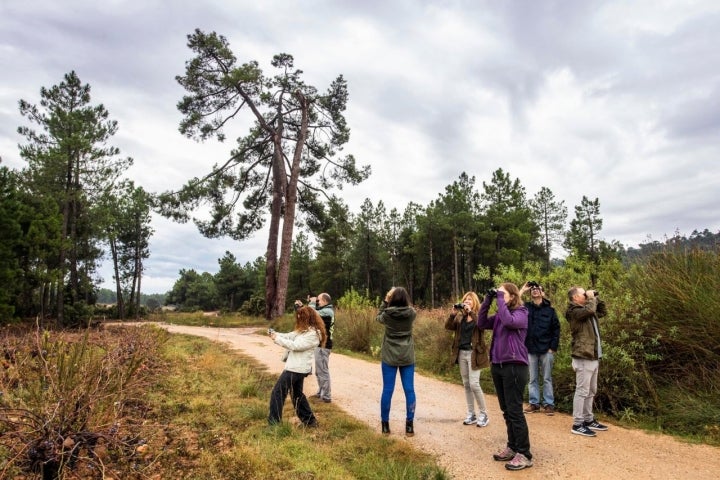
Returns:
(616,100)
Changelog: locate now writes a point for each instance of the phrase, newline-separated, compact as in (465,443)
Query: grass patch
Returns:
(200,319)
(145,404)
(214,403)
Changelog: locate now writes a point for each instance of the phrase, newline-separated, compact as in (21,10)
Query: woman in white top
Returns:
(309,333)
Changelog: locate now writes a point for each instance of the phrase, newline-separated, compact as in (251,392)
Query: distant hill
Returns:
(703,240)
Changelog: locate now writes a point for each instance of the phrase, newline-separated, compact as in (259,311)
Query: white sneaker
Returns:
(483,420)
(470,419)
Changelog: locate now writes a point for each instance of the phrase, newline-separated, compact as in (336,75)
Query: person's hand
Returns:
(298,303)
(524,288)
(388,295)
(312,300)
(589,293)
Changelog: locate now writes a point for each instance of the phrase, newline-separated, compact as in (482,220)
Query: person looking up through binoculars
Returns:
(543,337)
(470,353)
(509,368)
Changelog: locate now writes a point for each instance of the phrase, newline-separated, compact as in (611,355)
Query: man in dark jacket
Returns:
(583,311)
(322,354)
(543,337)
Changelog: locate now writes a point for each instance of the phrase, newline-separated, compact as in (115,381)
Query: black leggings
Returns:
(290,382)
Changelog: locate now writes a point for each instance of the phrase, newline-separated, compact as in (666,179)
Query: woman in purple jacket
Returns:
(509,369)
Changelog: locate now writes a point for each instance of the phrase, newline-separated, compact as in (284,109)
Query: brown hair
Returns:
(515,300)
(399,298)
(308,317)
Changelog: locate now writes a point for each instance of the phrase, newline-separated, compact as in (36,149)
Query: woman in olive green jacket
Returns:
(398,354)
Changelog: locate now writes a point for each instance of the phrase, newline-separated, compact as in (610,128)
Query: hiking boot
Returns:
(409,430)
(326,400)
(549,410)
(385,428)
(483,420)
(504,455)
(595,425)
(532,408)
(312,423)
(470,419)
(582,430)
(519,462)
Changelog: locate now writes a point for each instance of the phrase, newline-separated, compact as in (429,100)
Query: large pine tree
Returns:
(276,167)
(70,161)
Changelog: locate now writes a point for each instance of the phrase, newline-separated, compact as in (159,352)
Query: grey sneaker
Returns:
(483,420)
(470,419)
(519,462)
(504,455)
(582,430)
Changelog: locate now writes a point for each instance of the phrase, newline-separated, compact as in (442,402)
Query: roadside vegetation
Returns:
(661,357)
(138,403)
(661,364)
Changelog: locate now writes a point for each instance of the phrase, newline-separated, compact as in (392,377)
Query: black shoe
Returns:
(582,430)
(385,428)
(409,430)
(312,423)
(595,425)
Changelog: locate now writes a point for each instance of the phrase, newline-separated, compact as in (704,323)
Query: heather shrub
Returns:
(67,396)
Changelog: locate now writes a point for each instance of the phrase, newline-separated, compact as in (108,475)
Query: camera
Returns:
(533,283)
(492,292)
(459,306)
(270,330)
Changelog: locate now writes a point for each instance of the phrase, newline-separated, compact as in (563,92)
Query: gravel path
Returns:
(466,451)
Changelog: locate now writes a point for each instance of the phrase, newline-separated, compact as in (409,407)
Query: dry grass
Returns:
(201,414)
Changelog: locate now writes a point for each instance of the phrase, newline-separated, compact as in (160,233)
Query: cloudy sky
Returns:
(618,100)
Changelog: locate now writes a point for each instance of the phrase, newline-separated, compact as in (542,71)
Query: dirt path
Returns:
(618,453)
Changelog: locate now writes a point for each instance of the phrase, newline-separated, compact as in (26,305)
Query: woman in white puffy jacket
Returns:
(309,333)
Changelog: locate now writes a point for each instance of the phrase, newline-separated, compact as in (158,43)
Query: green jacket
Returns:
(398,347)
(581,317)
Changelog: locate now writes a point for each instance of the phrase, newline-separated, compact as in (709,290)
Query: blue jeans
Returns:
(407,378)
(545,363)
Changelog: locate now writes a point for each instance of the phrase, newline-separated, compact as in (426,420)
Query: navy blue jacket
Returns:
(543,331)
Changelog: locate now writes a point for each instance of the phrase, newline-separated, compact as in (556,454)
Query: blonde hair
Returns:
(474,301)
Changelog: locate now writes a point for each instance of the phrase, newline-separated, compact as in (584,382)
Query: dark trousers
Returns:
(292,383)
(510,380)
